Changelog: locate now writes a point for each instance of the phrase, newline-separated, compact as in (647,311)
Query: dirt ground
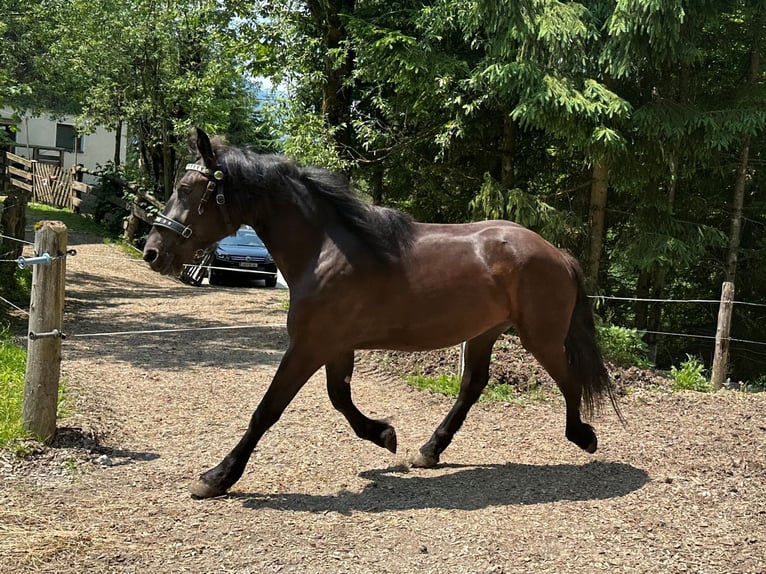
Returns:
(681,488)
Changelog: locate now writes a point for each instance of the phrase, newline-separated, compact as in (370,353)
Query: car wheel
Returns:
(215,277)
(271,281)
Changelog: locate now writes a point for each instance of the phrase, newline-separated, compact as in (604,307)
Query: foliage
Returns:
(459,110)
(689,376)
(622,346)
(155,68)
(756,386)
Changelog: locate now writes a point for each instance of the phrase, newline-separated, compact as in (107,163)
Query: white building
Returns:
(47,137)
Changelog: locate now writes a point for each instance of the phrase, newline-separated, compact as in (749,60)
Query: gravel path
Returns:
(681,489)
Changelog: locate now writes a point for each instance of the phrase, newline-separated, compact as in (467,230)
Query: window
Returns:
(67,137)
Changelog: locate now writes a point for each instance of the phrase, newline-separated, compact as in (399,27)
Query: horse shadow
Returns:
(465,487)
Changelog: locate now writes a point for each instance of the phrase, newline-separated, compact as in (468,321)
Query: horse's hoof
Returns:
(389,439)
(201,489)
(424,461)
(584,437)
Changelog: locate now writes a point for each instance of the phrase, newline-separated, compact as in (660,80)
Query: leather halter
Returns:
(215,184)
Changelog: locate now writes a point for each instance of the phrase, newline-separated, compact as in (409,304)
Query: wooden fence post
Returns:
(721,356)
(46,313)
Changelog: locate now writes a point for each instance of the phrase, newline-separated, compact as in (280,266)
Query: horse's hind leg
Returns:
(475,377)
(339,373)
(551,354)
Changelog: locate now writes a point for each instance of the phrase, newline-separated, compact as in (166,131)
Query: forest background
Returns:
(628,132)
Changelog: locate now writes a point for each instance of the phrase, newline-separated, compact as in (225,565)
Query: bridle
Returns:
(215,184)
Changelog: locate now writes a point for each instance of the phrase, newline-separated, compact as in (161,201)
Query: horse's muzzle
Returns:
(151,255)
(163,265)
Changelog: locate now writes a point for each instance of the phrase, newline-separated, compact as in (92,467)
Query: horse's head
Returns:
(196,214)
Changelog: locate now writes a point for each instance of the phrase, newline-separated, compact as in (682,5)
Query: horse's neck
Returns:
(292,239)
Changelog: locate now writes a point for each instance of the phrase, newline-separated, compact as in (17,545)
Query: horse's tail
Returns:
(584,355)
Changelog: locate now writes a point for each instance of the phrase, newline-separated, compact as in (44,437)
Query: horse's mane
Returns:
(387,233)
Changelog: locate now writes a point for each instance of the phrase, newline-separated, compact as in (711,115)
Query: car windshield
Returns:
(244,237)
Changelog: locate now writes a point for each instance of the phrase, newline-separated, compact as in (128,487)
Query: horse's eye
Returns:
(184,189)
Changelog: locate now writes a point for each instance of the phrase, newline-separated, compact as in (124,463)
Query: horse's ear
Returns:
(203,147)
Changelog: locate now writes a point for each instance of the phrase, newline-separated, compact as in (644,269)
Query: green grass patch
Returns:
(74,221)
(13,364)
(445,384)
(449,385)
(130,250)
(13,360)
(79,223)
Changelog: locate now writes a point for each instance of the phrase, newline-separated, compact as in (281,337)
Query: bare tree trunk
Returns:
(117,142)
(336,92)
(735,231)
(507,150)
(376,184)
(167,160)
(598,195)
(738,202)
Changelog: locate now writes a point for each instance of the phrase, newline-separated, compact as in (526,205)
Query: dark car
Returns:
(242,256)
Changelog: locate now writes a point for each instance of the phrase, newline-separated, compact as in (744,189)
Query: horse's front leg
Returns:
(475,377)
(293,372)
(339,373)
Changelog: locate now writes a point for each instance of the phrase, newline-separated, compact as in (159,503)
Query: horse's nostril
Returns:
(150,255)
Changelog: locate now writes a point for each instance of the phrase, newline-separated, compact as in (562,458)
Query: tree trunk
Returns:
(738,202)
(735,231)
(117,142)
(336,92)
(376,184)
(641,308)
(507,150)
(598,194)
(167,160)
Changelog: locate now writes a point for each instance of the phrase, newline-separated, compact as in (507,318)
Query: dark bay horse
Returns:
(365,277)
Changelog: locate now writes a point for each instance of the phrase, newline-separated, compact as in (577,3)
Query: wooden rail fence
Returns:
(45,182)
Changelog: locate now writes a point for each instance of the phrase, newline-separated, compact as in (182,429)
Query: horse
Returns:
(368,277)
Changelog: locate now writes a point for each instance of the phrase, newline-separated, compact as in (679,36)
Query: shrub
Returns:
(756,386)
(622,346)
(690,377)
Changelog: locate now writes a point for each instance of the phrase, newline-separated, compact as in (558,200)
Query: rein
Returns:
(214,184)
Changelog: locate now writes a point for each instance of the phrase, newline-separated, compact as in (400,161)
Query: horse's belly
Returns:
(420,326)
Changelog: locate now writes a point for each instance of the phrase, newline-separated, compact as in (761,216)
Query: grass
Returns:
(13,360)
(13,363)
(449,385)
(443,384)
(37,212)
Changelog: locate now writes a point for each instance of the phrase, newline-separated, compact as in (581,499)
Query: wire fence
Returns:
(259,274)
